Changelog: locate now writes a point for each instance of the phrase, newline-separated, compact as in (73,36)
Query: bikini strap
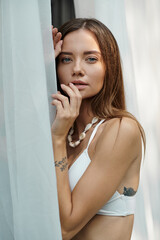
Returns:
(94,132)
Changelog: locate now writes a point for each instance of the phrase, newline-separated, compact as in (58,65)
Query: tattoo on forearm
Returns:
(62,164)
(129,192)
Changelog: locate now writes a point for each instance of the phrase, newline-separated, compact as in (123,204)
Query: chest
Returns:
(74,153)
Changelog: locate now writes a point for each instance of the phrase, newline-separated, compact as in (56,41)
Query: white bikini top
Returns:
(119,204)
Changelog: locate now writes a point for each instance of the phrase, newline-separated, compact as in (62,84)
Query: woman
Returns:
(96,143)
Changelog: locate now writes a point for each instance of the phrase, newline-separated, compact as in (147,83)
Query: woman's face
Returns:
(81,63)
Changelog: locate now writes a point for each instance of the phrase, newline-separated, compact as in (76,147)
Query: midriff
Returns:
(102,227)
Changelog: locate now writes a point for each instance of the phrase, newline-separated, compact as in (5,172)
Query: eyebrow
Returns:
(85,53)
(90,52)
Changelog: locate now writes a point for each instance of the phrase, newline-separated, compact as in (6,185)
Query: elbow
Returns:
(66,235)
(68,231)
(69,228)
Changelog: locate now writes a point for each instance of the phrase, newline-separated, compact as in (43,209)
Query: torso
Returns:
(102,227)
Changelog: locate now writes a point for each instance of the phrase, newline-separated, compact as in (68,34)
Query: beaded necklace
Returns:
(82,135)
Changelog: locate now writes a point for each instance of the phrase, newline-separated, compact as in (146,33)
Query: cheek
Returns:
(98,76)
(61,73)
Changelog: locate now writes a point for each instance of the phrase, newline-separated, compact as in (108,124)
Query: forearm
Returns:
(63,188)
(67,110)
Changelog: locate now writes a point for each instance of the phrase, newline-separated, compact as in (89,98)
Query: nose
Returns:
(78,69)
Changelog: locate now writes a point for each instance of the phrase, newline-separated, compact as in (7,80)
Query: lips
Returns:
(79,84)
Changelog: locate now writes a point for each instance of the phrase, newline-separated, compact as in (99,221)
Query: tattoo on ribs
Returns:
(129,192)
(62,164)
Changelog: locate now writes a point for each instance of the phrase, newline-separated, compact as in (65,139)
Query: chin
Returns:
(87,96)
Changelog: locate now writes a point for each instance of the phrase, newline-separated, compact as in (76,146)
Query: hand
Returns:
(57,41)
(67,111)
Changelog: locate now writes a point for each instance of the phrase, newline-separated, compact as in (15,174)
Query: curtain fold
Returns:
(144,34)
(28,194)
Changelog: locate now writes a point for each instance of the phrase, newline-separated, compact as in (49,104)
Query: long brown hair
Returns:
(110,101)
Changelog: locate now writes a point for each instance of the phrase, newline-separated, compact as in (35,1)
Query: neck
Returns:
(85,116)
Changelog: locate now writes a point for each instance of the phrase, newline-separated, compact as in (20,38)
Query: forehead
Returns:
(80,40)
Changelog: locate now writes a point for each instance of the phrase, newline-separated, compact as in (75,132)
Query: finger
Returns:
(75,89)
(74,102)
(58,105)
(54,31)
(64,100)
(57,37)
(58,45)
(68,90)
(56,34)
(77,92)
(58,48)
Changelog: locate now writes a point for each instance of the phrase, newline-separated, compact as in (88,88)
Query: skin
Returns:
(82,63)
(57,41)
(115,151)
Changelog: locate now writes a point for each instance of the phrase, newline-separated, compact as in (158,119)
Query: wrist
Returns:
(58,140)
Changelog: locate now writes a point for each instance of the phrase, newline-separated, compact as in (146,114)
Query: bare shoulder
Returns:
(119,134)
(125,127)
(130,125)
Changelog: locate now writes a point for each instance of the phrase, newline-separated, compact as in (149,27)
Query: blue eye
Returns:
(92,59)
(66,60)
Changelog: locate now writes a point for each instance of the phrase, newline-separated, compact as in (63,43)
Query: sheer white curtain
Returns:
(135,25)
(28,194)
(143,21)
